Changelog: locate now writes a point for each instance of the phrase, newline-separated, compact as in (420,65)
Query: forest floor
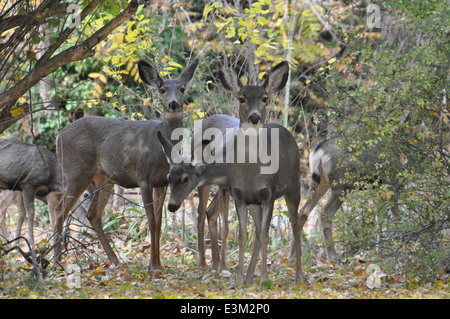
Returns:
(181,278)
(85,272)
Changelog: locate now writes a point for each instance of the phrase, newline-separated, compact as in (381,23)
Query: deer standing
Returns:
(244,180)
(252,111)
(329,165)
(107,151)
(35,172)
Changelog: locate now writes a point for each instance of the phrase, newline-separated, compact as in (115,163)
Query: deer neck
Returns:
(215,173)
(172,121)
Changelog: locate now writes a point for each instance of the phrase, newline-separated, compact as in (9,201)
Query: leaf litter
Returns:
(181,277)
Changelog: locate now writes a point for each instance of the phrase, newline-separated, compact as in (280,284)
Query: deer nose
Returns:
(173,207)
(254,119)
(174,105)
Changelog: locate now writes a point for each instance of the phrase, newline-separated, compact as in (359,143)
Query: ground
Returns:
(85,272)
(180,277)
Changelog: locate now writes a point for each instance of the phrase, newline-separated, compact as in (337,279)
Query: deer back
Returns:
(24,163)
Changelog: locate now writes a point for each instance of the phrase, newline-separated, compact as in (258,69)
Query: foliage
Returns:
(391,100)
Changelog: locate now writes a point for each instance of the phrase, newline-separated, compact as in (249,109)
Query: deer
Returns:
(249,187)
(254,100)
(329,165)
(257,97)
(34,171)
(107,151)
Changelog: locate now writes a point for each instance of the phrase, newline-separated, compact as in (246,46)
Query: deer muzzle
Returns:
(174,106)
(254,118)
(173,207)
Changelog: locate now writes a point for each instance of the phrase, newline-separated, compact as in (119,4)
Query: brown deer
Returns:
(329,165)
(245,181)
(35,172)
(253,102)
(107,151)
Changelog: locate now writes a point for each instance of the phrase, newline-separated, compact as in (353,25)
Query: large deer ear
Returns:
(149,75)
(230,80)
(167,147)
(277,78)
(173,157)
(188,72)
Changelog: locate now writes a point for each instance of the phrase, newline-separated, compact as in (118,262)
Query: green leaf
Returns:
(267,284)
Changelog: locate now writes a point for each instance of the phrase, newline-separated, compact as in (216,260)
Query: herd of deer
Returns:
(101,152)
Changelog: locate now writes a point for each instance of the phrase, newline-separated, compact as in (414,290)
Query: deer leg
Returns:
(203,195)
(147,198)
(28,193)
(212,213)
(243,237)
(8,198)
(265,225)
(225,204)
(54,200)
(315,193)
(74,190)
(4,232)
(95,214)
(328,213)
(256,212)
(21,213)
(292,203)
(159,194)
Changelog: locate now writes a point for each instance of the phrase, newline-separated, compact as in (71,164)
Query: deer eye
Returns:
(162,90)
(241,100)
(264,99)
(182,89)
(184,180)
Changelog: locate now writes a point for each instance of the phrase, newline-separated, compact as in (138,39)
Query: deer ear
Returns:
(230,80)
(277,78)
(199,168)
(188,72)
(166,146)
(149,75)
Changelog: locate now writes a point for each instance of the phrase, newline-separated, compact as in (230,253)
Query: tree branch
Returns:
(45,67)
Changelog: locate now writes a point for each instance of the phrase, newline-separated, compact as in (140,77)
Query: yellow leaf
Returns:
(97,271)
(172,63)
(330,61)
(207,87)
(118,38)
(16,111)
(206,11)
(96,75)
(439,284)
(98,88)
(256,41)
